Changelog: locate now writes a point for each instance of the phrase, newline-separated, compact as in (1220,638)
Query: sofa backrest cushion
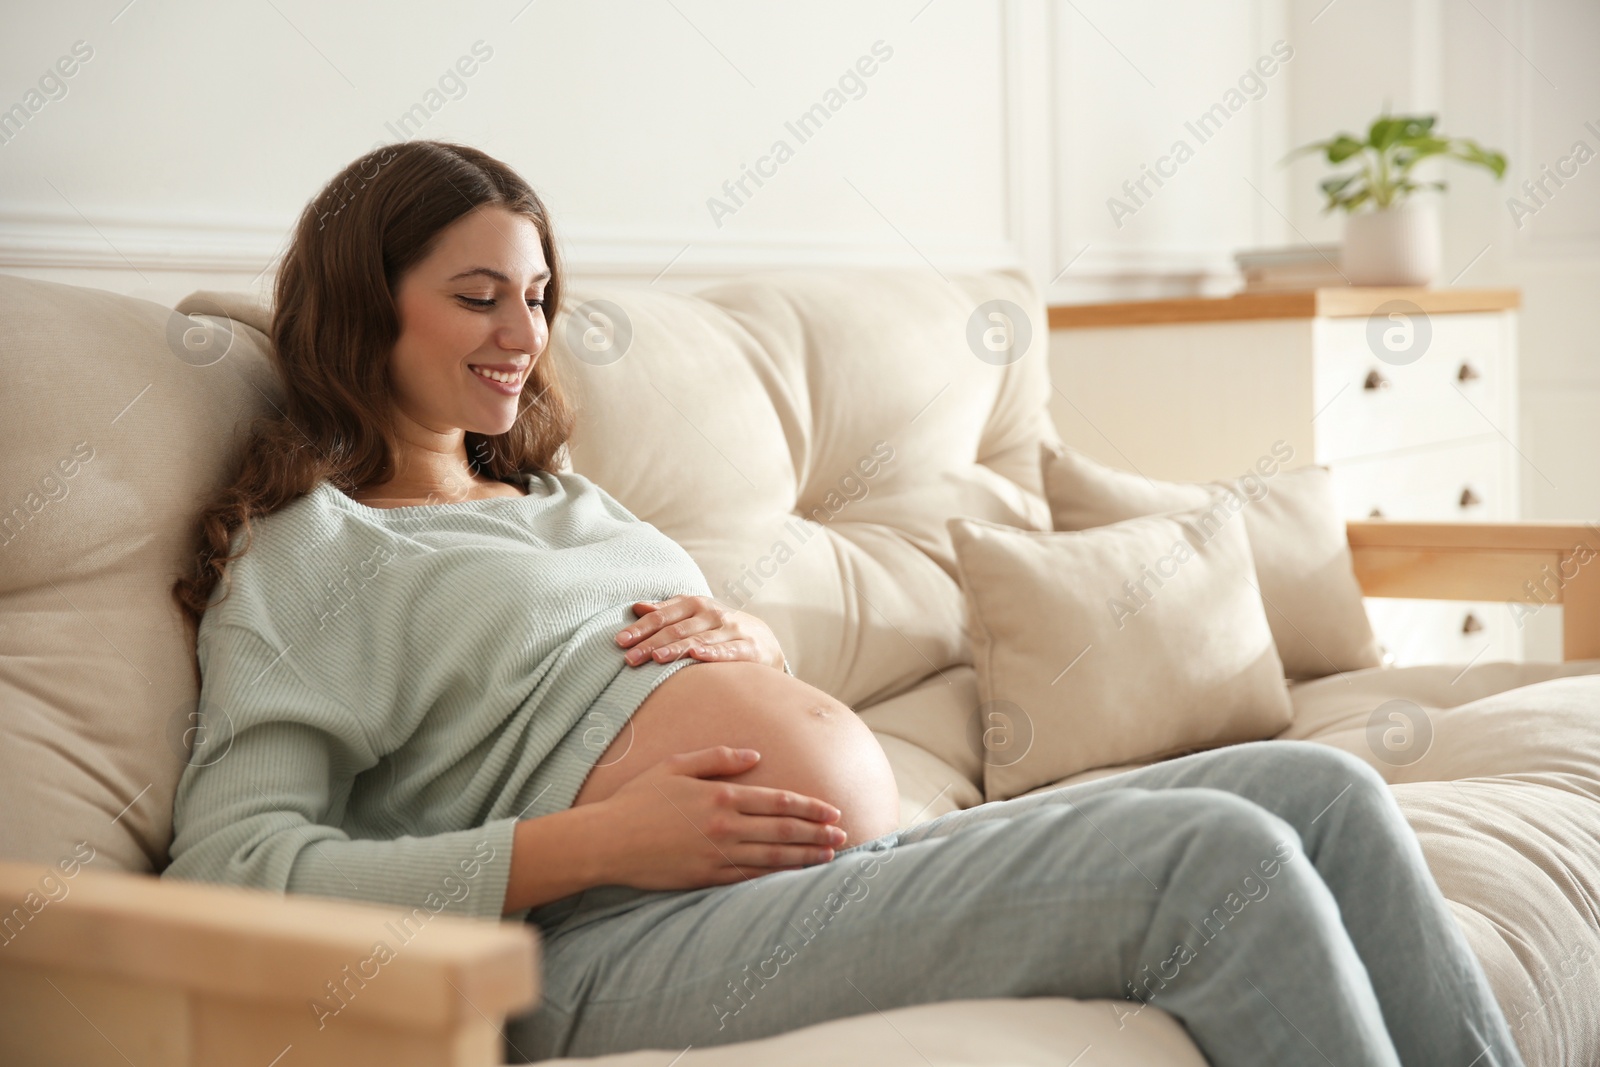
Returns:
(804,434)
(119,416)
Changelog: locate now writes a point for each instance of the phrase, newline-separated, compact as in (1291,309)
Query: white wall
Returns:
(196,132)
(997,133)
(1132,82)
(992,135)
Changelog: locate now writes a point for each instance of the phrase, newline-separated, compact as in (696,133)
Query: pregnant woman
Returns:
(440,674)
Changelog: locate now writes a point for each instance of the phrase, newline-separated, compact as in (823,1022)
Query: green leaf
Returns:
(1413,127)
(1342,148)
(1410,153)
(1469,151)
(1390,130)
(1422,146)
(1336,184)
(1314,146)
(1397,143)
(1384,131)
(1356,201)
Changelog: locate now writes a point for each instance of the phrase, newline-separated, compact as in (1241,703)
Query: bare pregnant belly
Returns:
(809,742)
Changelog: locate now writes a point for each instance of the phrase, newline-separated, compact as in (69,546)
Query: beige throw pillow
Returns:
(1298,540)
(1130,642)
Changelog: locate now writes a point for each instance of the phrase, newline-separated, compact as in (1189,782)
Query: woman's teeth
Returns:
(495,375)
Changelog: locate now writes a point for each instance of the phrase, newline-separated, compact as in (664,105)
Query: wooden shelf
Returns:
(1343,301)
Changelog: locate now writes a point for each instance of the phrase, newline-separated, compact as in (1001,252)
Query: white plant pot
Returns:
(1394,246)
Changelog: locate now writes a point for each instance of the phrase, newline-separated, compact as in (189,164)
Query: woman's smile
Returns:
(504,378)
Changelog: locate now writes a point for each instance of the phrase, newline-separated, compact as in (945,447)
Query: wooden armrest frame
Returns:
(110,968)
(1532,564)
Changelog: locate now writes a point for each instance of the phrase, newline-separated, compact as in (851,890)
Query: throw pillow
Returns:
(1298,539)
(1130,642)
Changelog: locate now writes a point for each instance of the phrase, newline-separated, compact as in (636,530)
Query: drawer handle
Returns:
(1375,381)
(1469,498)
(1467,373)
(1471,625)
(1375,513)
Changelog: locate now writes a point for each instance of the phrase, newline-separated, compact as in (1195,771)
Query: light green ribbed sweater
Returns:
(385,692)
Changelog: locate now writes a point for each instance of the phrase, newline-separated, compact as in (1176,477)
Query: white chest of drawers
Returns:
(1408,396)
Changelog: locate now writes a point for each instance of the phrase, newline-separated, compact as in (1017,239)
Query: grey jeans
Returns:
(1270,896)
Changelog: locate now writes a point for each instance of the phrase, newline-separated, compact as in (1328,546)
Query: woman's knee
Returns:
(1200,836)
(1334,787)
(1310,765)
(1227,826)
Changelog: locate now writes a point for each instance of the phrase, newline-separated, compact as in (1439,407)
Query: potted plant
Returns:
(1391,238)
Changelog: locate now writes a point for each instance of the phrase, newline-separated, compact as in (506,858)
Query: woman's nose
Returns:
(525,332)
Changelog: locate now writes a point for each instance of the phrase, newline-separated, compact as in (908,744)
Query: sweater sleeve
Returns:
(259,802)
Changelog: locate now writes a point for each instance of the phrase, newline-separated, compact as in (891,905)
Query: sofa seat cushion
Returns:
(929,787)
(1497,768)
(1016,1032)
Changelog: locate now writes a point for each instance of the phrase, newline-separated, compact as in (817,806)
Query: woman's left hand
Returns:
(698,626)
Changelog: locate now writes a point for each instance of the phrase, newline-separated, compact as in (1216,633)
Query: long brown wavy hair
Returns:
(334,328)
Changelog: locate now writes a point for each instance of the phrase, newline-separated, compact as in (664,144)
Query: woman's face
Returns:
(472,306)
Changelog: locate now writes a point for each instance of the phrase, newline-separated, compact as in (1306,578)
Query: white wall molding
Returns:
(1035,231)
(61,240)
(1030,134)
(66,239)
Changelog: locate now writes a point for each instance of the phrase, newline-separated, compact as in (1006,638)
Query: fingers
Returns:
(674,619)
(661,628)
(658,613)
(712,650)
(710,762)
(788,831)
(767,857)
(747,799)
(762,800)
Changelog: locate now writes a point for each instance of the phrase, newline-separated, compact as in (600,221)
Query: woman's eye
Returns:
(477,303)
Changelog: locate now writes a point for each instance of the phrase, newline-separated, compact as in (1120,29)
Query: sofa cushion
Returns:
(1138,640)
(930,733)
(803,434)
(1298,539)
(1497,768)
(1012,1031)
(120,416)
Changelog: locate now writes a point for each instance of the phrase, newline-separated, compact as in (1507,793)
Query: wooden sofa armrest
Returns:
(110,968)
(1528,563)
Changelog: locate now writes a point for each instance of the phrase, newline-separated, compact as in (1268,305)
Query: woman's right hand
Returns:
(671,828)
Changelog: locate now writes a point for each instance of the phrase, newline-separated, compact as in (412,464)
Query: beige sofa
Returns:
(750,422)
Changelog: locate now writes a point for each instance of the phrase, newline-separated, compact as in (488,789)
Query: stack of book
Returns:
(1276,270)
